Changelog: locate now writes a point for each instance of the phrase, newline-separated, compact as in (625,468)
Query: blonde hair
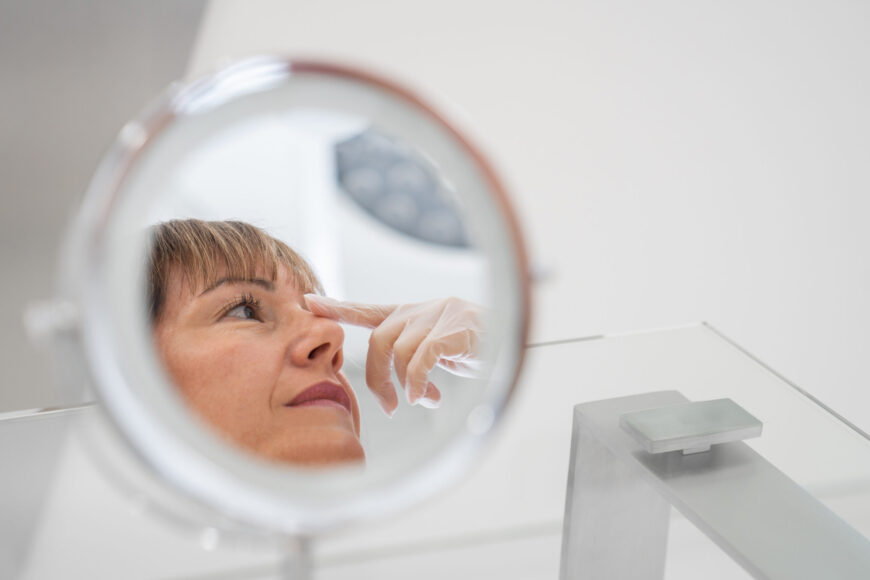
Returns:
(199,249)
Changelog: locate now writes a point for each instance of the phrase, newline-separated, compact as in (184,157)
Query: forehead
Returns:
(184,284)
(195,282)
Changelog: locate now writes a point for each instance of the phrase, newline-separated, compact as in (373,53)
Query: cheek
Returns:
(353,401)
(229,383)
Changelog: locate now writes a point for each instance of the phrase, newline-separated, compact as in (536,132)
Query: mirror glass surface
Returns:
(207,357)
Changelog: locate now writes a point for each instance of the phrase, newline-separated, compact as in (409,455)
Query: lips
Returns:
(323,394)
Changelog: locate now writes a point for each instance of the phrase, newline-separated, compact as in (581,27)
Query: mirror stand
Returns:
(297,559)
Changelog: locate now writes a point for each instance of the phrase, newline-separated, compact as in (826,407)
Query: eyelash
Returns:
(243,300)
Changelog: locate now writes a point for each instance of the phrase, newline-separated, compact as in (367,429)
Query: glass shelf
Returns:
(62,508)
(808,442)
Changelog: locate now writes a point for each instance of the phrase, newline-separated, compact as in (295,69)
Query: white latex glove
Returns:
(414,338)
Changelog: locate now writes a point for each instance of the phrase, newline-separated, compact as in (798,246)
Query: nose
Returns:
(317,341)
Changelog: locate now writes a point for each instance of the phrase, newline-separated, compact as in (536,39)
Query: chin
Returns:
(331,448)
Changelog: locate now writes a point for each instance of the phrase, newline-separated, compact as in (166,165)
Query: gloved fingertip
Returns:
(428,403)
(432,392)
(414,392)
(312,299)
(388,409)
(387,398)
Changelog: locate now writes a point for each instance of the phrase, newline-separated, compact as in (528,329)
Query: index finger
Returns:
(356,313)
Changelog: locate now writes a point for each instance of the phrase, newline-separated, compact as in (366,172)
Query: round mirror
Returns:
(304,297)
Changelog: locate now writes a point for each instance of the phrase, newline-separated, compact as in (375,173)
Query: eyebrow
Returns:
(266,284)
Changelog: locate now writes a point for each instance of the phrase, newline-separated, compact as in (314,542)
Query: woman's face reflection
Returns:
(259,367)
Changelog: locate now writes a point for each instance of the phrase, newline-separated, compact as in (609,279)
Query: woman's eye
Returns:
(243,311)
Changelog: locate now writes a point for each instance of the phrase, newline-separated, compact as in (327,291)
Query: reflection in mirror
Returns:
(258,354)
(399,188)
(254,357)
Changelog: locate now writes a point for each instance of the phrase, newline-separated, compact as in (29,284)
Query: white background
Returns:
(671,161)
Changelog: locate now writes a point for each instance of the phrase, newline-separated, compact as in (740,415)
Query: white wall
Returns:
(672,161)
(71,73)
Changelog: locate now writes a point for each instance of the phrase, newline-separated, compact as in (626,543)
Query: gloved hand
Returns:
(414,337)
